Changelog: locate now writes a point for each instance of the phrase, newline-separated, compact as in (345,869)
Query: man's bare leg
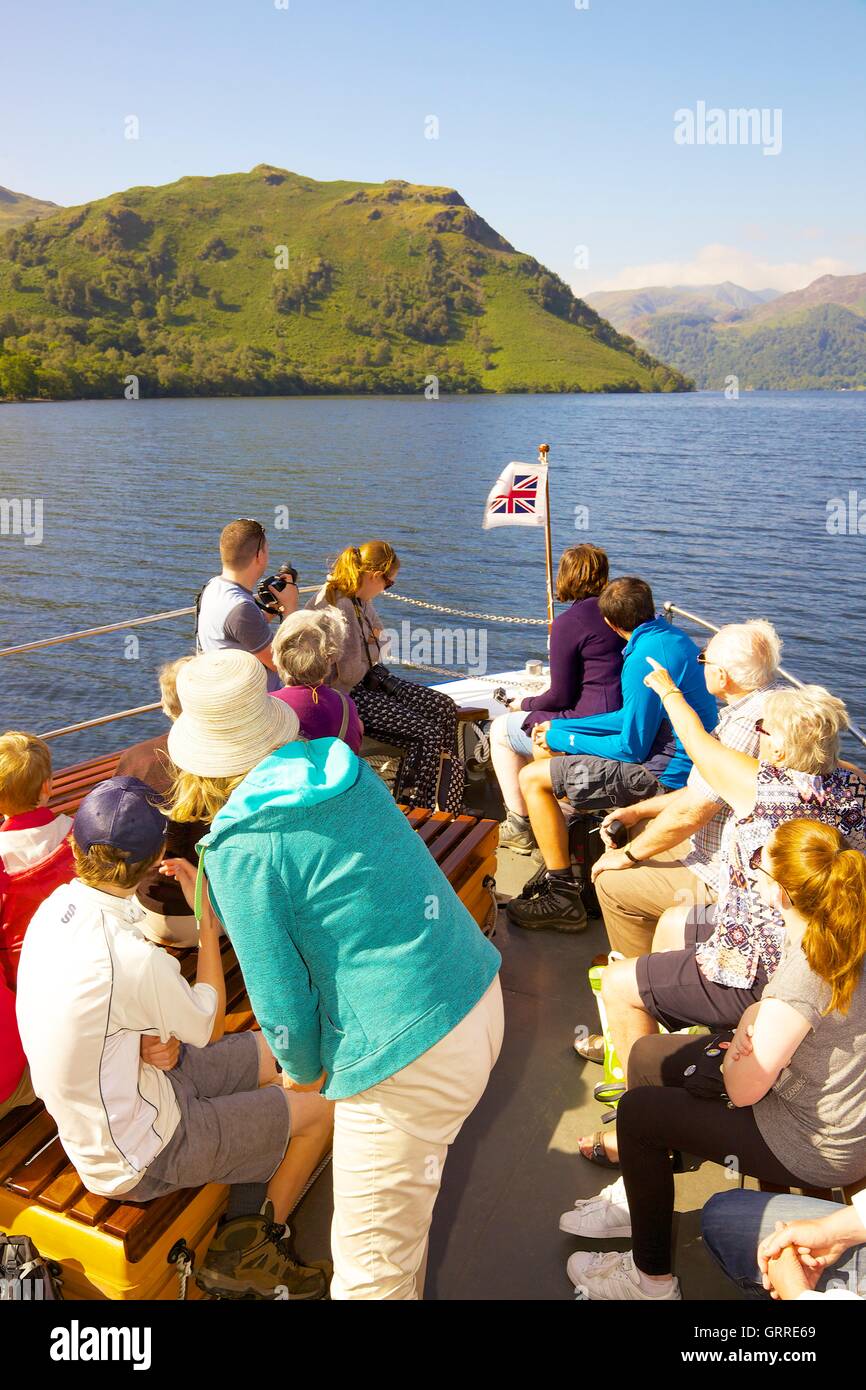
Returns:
(312,1134)
(545,815)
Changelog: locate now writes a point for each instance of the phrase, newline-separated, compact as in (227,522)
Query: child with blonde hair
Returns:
(35,856)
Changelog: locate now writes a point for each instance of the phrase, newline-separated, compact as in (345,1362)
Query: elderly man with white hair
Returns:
(675,856)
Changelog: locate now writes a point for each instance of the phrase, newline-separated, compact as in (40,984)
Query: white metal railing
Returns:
(102,719)
(711,627)
(669,609)
(94,632)
(169,614)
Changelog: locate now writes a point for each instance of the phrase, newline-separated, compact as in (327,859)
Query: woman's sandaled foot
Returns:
(600,1148)
(591,1048)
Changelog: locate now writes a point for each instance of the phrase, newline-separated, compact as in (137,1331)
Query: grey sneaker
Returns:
(515,833)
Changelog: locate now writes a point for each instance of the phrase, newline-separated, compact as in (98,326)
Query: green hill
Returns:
(814,338)
(16,208)
(269,282)
(820,349)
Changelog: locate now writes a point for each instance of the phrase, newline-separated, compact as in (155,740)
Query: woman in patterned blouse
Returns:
(708,965)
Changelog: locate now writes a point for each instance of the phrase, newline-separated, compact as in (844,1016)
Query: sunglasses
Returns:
(389,583)
(704,660)
(262,537)
(756,866)
(760,729)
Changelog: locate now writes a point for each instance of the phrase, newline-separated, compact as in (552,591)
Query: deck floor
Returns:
(514,1167)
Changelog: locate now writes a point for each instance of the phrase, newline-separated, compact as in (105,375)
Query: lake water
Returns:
(721,505)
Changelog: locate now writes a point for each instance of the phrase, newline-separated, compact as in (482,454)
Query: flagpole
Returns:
(543,452)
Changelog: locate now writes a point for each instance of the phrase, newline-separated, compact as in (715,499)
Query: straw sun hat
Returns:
(228,721)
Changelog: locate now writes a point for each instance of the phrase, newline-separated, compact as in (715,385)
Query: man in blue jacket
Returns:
(609,759)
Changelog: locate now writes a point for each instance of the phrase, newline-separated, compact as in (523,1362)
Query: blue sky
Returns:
(555,123)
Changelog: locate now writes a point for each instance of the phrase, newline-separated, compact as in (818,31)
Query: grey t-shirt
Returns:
(814,1117)
(229,618)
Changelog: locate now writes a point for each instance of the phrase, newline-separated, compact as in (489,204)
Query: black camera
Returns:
(264,598)
(379,678)
(618,833)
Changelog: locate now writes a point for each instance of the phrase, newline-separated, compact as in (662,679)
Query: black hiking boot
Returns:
(556,906)
(533,886)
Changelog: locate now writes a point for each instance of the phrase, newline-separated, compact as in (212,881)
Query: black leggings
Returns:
(424,722)
(656,1115)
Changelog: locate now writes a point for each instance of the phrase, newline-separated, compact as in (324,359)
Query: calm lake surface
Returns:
(721,505)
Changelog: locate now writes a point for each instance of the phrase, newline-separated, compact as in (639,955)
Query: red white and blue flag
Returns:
(518,497)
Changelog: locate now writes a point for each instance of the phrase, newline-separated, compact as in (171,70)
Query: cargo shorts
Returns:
(231,1129)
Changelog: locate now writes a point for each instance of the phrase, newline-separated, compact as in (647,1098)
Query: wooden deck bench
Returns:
(121,1250)
(823,1194)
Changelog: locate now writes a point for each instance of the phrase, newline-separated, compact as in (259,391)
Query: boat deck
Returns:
(514,1167)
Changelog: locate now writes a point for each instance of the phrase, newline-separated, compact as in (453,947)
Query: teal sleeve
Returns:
(256,909)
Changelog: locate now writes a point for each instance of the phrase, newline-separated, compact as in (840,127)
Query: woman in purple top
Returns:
(305,649)
(585,666)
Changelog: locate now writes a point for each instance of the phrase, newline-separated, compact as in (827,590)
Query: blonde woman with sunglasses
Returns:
(412,716)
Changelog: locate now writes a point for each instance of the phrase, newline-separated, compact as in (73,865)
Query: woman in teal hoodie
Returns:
(369,978)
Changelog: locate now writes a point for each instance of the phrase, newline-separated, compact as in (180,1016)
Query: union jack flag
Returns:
(518,498)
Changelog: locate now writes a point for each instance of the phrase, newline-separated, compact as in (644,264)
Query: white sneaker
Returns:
(612,1276)
(601,1218)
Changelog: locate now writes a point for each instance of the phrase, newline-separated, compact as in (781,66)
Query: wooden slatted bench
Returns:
(823,1194)
(69,787)
(120,1250)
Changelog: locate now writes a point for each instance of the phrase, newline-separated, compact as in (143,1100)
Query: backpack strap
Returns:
(345,720)
(199,886)
(198,598)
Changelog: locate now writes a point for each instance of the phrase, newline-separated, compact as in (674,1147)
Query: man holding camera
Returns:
(233,612)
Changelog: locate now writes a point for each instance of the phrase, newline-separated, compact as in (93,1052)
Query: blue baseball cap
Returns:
(121,813)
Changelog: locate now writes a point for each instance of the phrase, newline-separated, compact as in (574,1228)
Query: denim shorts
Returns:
(515,733)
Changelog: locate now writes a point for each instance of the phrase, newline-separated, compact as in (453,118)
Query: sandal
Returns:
(608,1092)
(591,1048)
(598,1153)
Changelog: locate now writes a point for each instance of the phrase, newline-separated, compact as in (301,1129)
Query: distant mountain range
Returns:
(810,338)
(270,282)
(628,309)
(16,208)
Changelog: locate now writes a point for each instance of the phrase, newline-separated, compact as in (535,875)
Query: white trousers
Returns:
(390,1146)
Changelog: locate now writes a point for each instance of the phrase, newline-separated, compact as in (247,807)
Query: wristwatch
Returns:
(630,857)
